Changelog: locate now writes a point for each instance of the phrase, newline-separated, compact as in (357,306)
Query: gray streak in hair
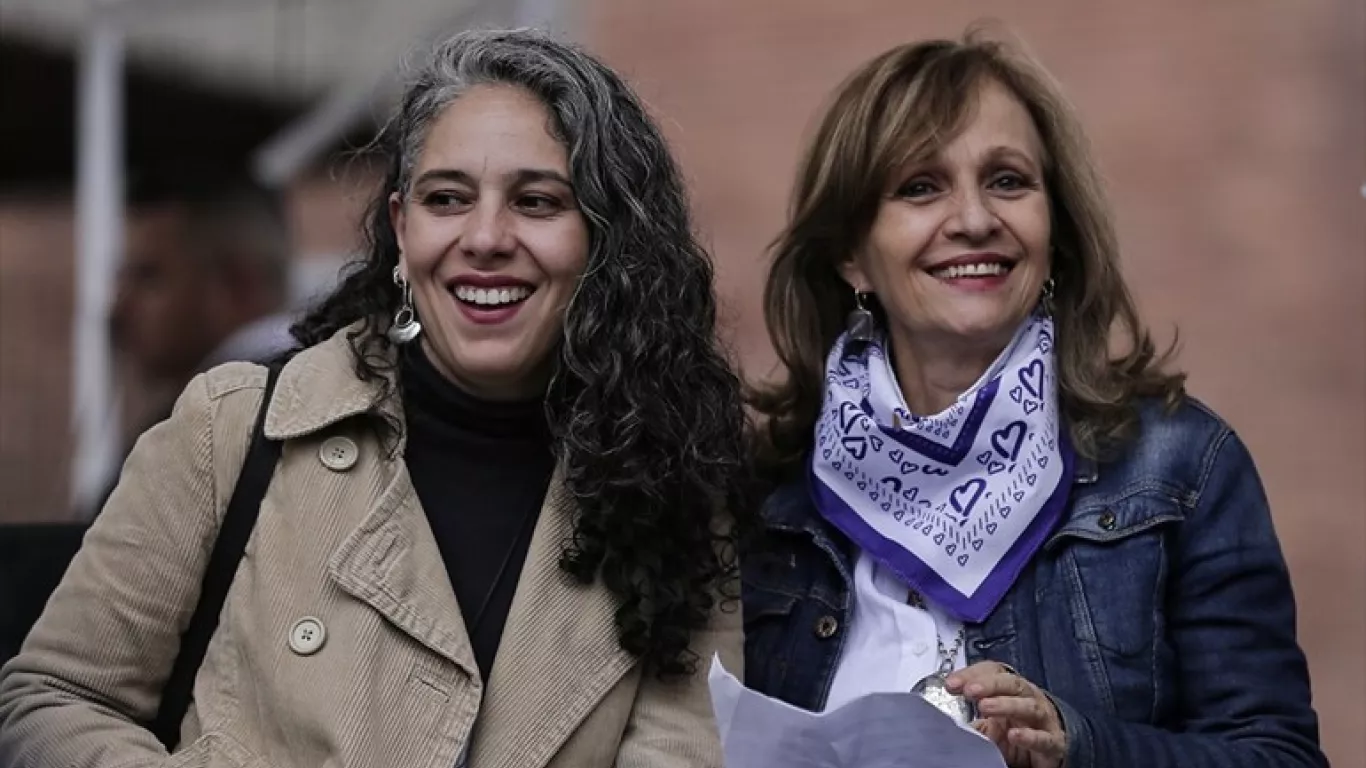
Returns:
(576,90)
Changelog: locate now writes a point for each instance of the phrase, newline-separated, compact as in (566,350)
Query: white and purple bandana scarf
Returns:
(957,503)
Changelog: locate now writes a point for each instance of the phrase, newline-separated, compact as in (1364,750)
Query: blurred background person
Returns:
(204,281)
(204,278)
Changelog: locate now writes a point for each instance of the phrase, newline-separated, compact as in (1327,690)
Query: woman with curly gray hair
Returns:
(499,529)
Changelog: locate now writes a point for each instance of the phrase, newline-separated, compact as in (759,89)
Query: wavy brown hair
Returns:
(903,104)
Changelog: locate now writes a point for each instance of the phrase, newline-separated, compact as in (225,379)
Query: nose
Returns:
(488,232)
(973,219)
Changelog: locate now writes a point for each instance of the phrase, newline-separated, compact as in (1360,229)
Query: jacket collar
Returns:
(789,508)
(318,388)
(1085,471)
(559,655)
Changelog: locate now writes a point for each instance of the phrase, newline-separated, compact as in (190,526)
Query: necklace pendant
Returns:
(934,689)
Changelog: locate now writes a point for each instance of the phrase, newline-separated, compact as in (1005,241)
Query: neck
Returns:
(519,389)
(435,402)
(933,374)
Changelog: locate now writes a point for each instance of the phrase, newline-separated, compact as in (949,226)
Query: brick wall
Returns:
(36,253)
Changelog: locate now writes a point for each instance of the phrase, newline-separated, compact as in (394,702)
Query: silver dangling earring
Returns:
(862,326)
(1046,296)
(405,327)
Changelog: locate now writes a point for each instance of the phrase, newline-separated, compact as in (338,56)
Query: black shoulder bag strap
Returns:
(240,518)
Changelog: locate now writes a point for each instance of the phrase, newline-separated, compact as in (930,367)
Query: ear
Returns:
(852,273)
(397,219)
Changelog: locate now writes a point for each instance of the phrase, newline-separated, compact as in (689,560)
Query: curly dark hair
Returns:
(646,412)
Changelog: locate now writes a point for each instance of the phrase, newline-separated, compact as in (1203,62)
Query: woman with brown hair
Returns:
(988,487)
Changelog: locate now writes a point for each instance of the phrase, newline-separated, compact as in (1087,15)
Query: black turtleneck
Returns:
(481,470)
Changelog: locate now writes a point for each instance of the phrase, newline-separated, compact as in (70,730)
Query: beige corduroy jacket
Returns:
(342,541)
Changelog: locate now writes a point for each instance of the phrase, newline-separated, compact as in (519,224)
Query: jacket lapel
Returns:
(319,388)
(391,562)
(559,655)
(558,658)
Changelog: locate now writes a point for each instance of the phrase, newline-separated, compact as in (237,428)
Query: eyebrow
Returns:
(927,155)
(1001,151)
(521,176)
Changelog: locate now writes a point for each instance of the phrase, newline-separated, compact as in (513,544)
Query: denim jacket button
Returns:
(826,627)
(1107,520)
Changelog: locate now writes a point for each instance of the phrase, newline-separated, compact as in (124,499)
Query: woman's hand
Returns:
(1015,715)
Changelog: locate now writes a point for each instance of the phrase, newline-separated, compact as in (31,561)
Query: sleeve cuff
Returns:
(1080,741)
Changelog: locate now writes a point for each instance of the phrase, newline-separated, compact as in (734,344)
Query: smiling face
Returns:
(959,249)
(492,242)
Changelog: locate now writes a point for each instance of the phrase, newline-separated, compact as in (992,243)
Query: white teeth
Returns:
(970,270)
(491,297)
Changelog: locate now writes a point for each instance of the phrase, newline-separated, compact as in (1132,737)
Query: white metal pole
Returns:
(289,152)
(99,243)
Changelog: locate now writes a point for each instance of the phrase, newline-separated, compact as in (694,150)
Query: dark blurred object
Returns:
(166,120)
(32,561)
(206,260)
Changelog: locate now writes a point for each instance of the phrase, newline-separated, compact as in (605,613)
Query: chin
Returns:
(490,369)
(996,330)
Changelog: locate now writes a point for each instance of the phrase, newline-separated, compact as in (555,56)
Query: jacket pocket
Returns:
(768,640)
(1111,573)
(770,595)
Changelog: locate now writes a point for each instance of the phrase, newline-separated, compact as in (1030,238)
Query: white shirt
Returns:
(891,644)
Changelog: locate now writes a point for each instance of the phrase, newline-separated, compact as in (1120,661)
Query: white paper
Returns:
(881,730)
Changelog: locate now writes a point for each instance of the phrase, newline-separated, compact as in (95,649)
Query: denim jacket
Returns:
(1158,615)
